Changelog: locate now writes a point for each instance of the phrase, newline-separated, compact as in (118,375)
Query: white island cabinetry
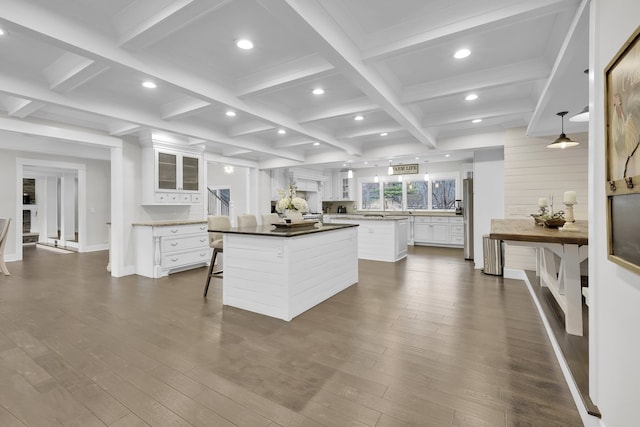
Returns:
(379,238)
(164,247)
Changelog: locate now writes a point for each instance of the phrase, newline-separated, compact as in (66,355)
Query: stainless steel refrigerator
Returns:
(467,200)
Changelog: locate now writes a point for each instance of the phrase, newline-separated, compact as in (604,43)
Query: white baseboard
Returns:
(11,258)
(510,273)
(588,420)
(96,248)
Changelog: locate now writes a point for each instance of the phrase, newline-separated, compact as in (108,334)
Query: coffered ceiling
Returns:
(81,64)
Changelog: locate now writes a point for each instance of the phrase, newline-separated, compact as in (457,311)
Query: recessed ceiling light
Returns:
(447,155)
(358,118)
(344,164)
(462,53)
(231,113)
(366,163)
(384,134)
(316,143)
(282,131)
(149,84)
(318,91)
(244,44)
(417,158)
(471,97)
(2,32)
(476,120)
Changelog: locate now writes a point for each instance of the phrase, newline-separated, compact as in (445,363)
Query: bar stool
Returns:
(4,229)
(247,221)
(215,243)
(271,218)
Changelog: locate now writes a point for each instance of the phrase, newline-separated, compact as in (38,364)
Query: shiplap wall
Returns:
(531,171)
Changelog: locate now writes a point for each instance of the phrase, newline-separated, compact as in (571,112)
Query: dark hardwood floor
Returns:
(427,341)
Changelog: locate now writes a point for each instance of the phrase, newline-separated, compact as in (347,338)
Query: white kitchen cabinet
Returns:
(171,175)
(166,247)
(344,187)
(437,231)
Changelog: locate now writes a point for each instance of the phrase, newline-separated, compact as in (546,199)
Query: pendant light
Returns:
(563,141)
(582,116)
(426,173)
(390,170)
(350,173)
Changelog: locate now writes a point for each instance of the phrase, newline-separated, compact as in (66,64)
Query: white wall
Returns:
(614,342)
(531,171)
(488,196)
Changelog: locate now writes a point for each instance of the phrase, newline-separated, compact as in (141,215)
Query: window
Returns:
(393,196)
(411,194)
(443,194)
(370,195)
(417,195)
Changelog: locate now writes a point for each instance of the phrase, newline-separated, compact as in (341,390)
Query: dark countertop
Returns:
(395,213)
(525,230)
(164,223)
(271,231)
(371,217)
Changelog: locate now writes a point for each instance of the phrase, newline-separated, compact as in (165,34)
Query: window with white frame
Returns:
(412,193)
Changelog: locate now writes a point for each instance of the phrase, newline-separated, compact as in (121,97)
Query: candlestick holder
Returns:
(569,225)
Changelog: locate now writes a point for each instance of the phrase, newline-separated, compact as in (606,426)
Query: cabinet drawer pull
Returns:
(174,259)
(203,228)
(203,254)
(174,244)
(175,230)
(203,240)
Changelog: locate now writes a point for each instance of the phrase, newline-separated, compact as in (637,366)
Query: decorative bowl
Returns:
(554,222)
(539,219)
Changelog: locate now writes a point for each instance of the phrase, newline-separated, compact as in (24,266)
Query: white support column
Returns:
(117,245)
(51,208)
(68,194)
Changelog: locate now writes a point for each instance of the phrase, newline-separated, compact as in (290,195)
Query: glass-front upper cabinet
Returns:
(176,171)
(190,173)
(167,171)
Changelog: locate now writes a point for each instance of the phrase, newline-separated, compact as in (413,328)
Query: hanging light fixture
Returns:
(350,173)
(390,170)
(582,116)
(563,141)
(426,173)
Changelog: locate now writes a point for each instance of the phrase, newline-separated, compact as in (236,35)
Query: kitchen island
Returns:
(380,238)
(284,272)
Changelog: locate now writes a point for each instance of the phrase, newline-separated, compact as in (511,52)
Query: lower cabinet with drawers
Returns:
(164,247)
(438,231)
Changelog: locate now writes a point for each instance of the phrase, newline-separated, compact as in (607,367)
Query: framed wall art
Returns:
(622,95)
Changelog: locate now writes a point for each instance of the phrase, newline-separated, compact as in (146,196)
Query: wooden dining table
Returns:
(563,278)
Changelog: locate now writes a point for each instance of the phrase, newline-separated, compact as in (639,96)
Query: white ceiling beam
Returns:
(216,158)
(184,108)
(234,152)
(70,71)
(21,108)
(15,86)
(372,131)
(562,59)
(66,134)
(66,34)
(352,106)
(314,24)
(535,69)
(519,106)
(145,22)
(123,129)
(249,128)
(292,142)
(283,75)
(514,13)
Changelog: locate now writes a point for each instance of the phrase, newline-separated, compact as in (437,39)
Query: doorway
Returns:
(51,204)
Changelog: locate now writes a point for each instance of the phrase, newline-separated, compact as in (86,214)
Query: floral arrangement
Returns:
(289,201)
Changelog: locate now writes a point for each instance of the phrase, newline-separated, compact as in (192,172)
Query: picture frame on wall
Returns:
(622,154)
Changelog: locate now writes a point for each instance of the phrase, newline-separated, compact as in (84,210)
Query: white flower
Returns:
(289,201)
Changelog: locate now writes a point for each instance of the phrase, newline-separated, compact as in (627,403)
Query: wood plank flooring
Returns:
(427,341)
